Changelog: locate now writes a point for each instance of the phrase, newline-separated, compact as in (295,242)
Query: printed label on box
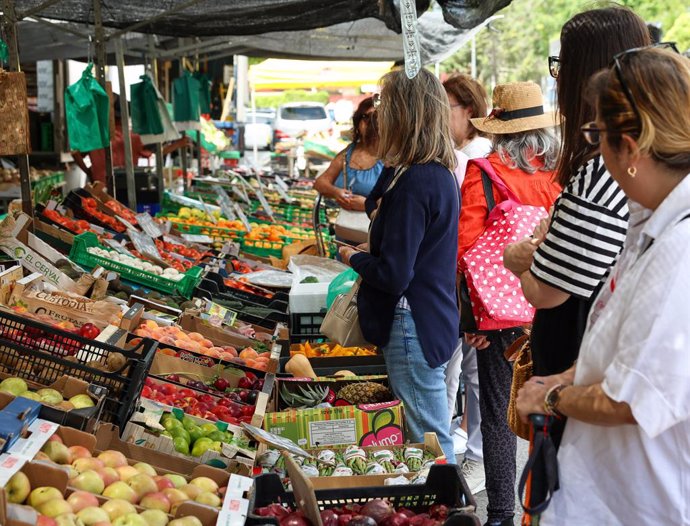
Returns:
(332,432)
(9,465)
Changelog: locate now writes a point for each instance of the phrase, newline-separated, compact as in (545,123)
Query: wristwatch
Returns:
(553,396)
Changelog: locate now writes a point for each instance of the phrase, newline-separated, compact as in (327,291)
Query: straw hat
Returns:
(517,107)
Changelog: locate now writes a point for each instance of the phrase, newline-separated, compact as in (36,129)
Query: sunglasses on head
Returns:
(554,66)
(617,65)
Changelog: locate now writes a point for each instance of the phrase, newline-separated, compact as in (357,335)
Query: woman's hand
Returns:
(364,247)
(346,253)
(530,399)
(357,203)
(517,257)
(478,341)
(343,197)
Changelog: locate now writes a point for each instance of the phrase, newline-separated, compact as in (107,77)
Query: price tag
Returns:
(283,194)
(225,202)
(239,192)
(9,465)
(196,238)
(145,245)
(262,197)
(280,182)
(166,227)
(240,213)
(129,225)
(117,246)
(217,315)
(148,225)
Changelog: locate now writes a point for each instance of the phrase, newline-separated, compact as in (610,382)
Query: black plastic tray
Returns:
(444,485)
(43,353)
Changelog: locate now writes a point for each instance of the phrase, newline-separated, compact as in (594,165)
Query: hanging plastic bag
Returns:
(87,111)
(146,119)
(341,285)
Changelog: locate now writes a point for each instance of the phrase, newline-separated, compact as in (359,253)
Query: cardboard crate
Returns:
(68,386)
(365,425)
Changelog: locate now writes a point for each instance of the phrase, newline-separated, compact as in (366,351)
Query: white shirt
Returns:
(637,345)
(476,148)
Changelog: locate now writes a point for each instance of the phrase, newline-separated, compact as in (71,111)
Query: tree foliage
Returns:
(273,100)
(517,47)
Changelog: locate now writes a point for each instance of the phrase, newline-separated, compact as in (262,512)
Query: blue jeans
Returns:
(421,388)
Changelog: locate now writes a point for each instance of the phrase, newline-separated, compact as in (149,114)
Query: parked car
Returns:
(258,130)
(295,118)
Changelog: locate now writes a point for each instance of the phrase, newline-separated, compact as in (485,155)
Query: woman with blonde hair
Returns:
(624,456)
(407,301)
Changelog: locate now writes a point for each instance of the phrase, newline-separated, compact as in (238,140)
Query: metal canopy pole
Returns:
(159,146)
(126,135)
(100,75)
(22,160)
(60,27)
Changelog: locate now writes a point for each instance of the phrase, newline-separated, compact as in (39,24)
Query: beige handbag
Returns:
(341,323)
(351,225)
(520,354)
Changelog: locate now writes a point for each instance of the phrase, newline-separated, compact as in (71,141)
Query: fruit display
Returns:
(76,226)
(227,408)
(168,273)
(244,286)
(121,210)
(376,512)
(182,250)
(305,397)
(329,350)
(90,207)
(365,393)
(191,438)
(327,393)
(18,387)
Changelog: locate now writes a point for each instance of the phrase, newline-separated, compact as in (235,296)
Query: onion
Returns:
(377,509)
(397,519)
(294,519)
(329,518)
(361,520)
(439,511)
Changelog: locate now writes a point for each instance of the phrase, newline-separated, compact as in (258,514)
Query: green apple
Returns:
(172,423)
(81,401)
(117,508)
(92,515)
(217,435)
(31,396)
(181,445)
(57,452)
(187,422)
(181,433)
(154,517)
(195,433)
(18,488)
(50,396)
(131,519)
(89,481)
(14,386)
(43,494)
(208,498)
(207,429)
(54,507)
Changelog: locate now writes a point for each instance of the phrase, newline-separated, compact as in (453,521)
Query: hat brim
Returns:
(496,126)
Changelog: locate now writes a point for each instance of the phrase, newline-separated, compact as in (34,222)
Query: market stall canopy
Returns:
(200,18)
(276,74)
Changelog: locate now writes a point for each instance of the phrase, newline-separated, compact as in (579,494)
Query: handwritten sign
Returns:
(239,192)
(196,238)
(209,211)
(117,246)
(148,225)
(262,197)
(145,245)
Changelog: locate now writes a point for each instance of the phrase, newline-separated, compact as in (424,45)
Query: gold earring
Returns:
(632,171)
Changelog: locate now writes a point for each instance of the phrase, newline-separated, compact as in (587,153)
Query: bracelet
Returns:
(551,400)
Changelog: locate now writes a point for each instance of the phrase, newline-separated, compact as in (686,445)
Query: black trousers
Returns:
(499,442)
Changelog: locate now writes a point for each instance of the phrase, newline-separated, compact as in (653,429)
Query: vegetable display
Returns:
(329,350)
(168,273)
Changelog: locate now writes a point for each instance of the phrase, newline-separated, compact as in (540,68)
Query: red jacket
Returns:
(537,189)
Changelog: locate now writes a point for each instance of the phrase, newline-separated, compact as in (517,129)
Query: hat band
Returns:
(520,114)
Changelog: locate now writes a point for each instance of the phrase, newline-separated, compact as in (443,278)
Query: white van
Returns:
(295,118)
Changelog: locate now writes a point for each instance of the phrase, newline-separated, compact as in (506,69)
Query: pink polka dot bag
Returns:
(495,296)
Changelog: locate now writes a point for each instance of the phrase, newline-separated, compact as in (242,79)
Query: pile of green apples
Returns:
(18,387)
(190,438)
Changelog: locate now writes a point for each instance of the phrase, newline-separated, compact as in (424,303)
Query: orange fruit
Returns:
(248,354)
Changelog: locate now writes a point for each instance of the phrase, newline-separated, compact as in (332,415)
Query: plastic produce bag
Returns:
(87,109)
(146,119)
(341,285)
(323,269)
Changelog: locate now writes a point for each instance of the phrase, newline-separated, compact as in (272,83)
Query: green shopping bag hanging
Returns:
(204,92)
(146,119)
(186,102)
(341,284)
(87,112)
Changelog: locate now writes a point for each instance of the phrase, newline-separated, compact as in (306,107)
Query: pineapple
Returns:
(365,393)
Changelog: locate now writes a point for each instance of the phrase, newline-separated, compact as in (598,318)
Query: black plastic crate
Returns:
(43,353)
(306,326)
(444,485)
(372,365)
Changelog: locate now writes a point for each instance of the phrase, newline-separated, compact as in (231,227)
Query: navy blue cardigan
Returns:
(413,251)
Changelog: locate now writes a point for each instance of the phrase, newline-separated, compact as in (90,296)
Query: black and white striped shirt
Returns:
(587,232)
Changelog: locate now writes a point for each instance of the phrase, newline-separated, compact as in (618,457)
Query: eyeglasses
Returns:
(592,133)
(376,99)
(617,61)
(554,66)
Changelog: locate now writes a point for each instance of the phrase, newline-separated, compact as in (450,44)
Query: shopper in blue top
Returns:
(353,173)
(407,299)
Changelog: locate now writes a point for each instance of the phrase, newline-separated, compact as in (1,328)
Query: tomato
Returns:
(167,389)
(247,410)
